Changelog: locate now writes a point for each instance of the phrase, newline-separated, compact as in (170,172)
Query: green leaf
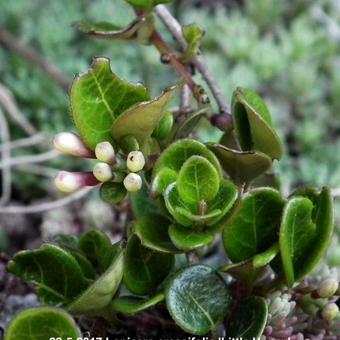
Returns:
(162,180)
(144,268)
(105,30)
(188,214)
(198,180)
(98,296)
(142,204)
(254,226)
(98,97)
(134,304)
(193,35)
(164,127)
(55,272)
(153,233)
(253,125)
(147,3)
(188,239)
(98,249)
(70,244)
(42,323)
(176,154)
(141,120)
(305,233)
(197,299)
(262,259)
(188,125)
(249,319)
(242,167)
(112,193)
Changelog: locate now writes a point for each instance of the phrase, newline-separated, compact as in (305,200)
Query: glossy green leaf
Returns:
(198,180)
(175,155)
(162,180)
(164,127)
(197,299)
(135,304)
(70,244)
(249,319)
(112,193)
(242,167)
(187,239)
(153,233)
(188,214)
(98,97)
(193,35)
(141,120)
(100,293)
(136,30)
(253,125)
(142,204)
(254,226)
(55,272)
(305,233)
(186,127)
(42,323)
(98,249)
(264,258)
(144,268)
(147,3)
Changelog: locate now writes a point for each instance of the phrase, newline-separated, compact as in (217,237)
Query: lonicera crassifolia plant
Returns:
(187,198)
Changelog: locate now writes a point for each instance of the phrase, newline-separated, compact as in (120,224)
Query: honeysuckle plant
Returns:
(187,198)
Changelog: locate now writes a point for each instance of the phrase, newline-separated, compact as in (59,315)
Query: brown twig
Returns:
(175,29)
(27,52)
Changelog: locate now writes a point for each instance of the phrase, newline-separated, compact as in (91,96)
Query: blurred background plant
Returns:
(288,51)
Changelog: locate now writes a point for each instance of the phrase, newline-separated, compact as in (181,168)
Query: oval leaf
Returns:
(253,125)
(306,229)
(142,119)
(42,323)
(197,299)
(175,155)
(98,97)
(55,272)
(248,319)
(242,167)
(153,232)
(187,239)
(98,249)
(100,293)
(144,268)
(134,304)
(254,226)
(198,180)
(147,3)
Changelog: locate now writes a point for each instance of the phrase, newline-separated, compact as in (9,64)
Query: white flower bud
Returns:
(105,152)
(330,311)
(71,181)
(328,288)
(102,172)
(133,182)
(135,161)
(71,144)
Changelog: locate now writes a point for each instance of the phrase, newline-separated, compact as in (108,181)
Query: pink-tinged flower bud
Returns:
(71,144)
(105,152)
(102,172)
(132,182)
(68,182)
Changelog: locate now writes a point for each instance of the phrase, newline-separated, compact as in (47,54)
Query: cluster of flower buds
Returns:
(103,171)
